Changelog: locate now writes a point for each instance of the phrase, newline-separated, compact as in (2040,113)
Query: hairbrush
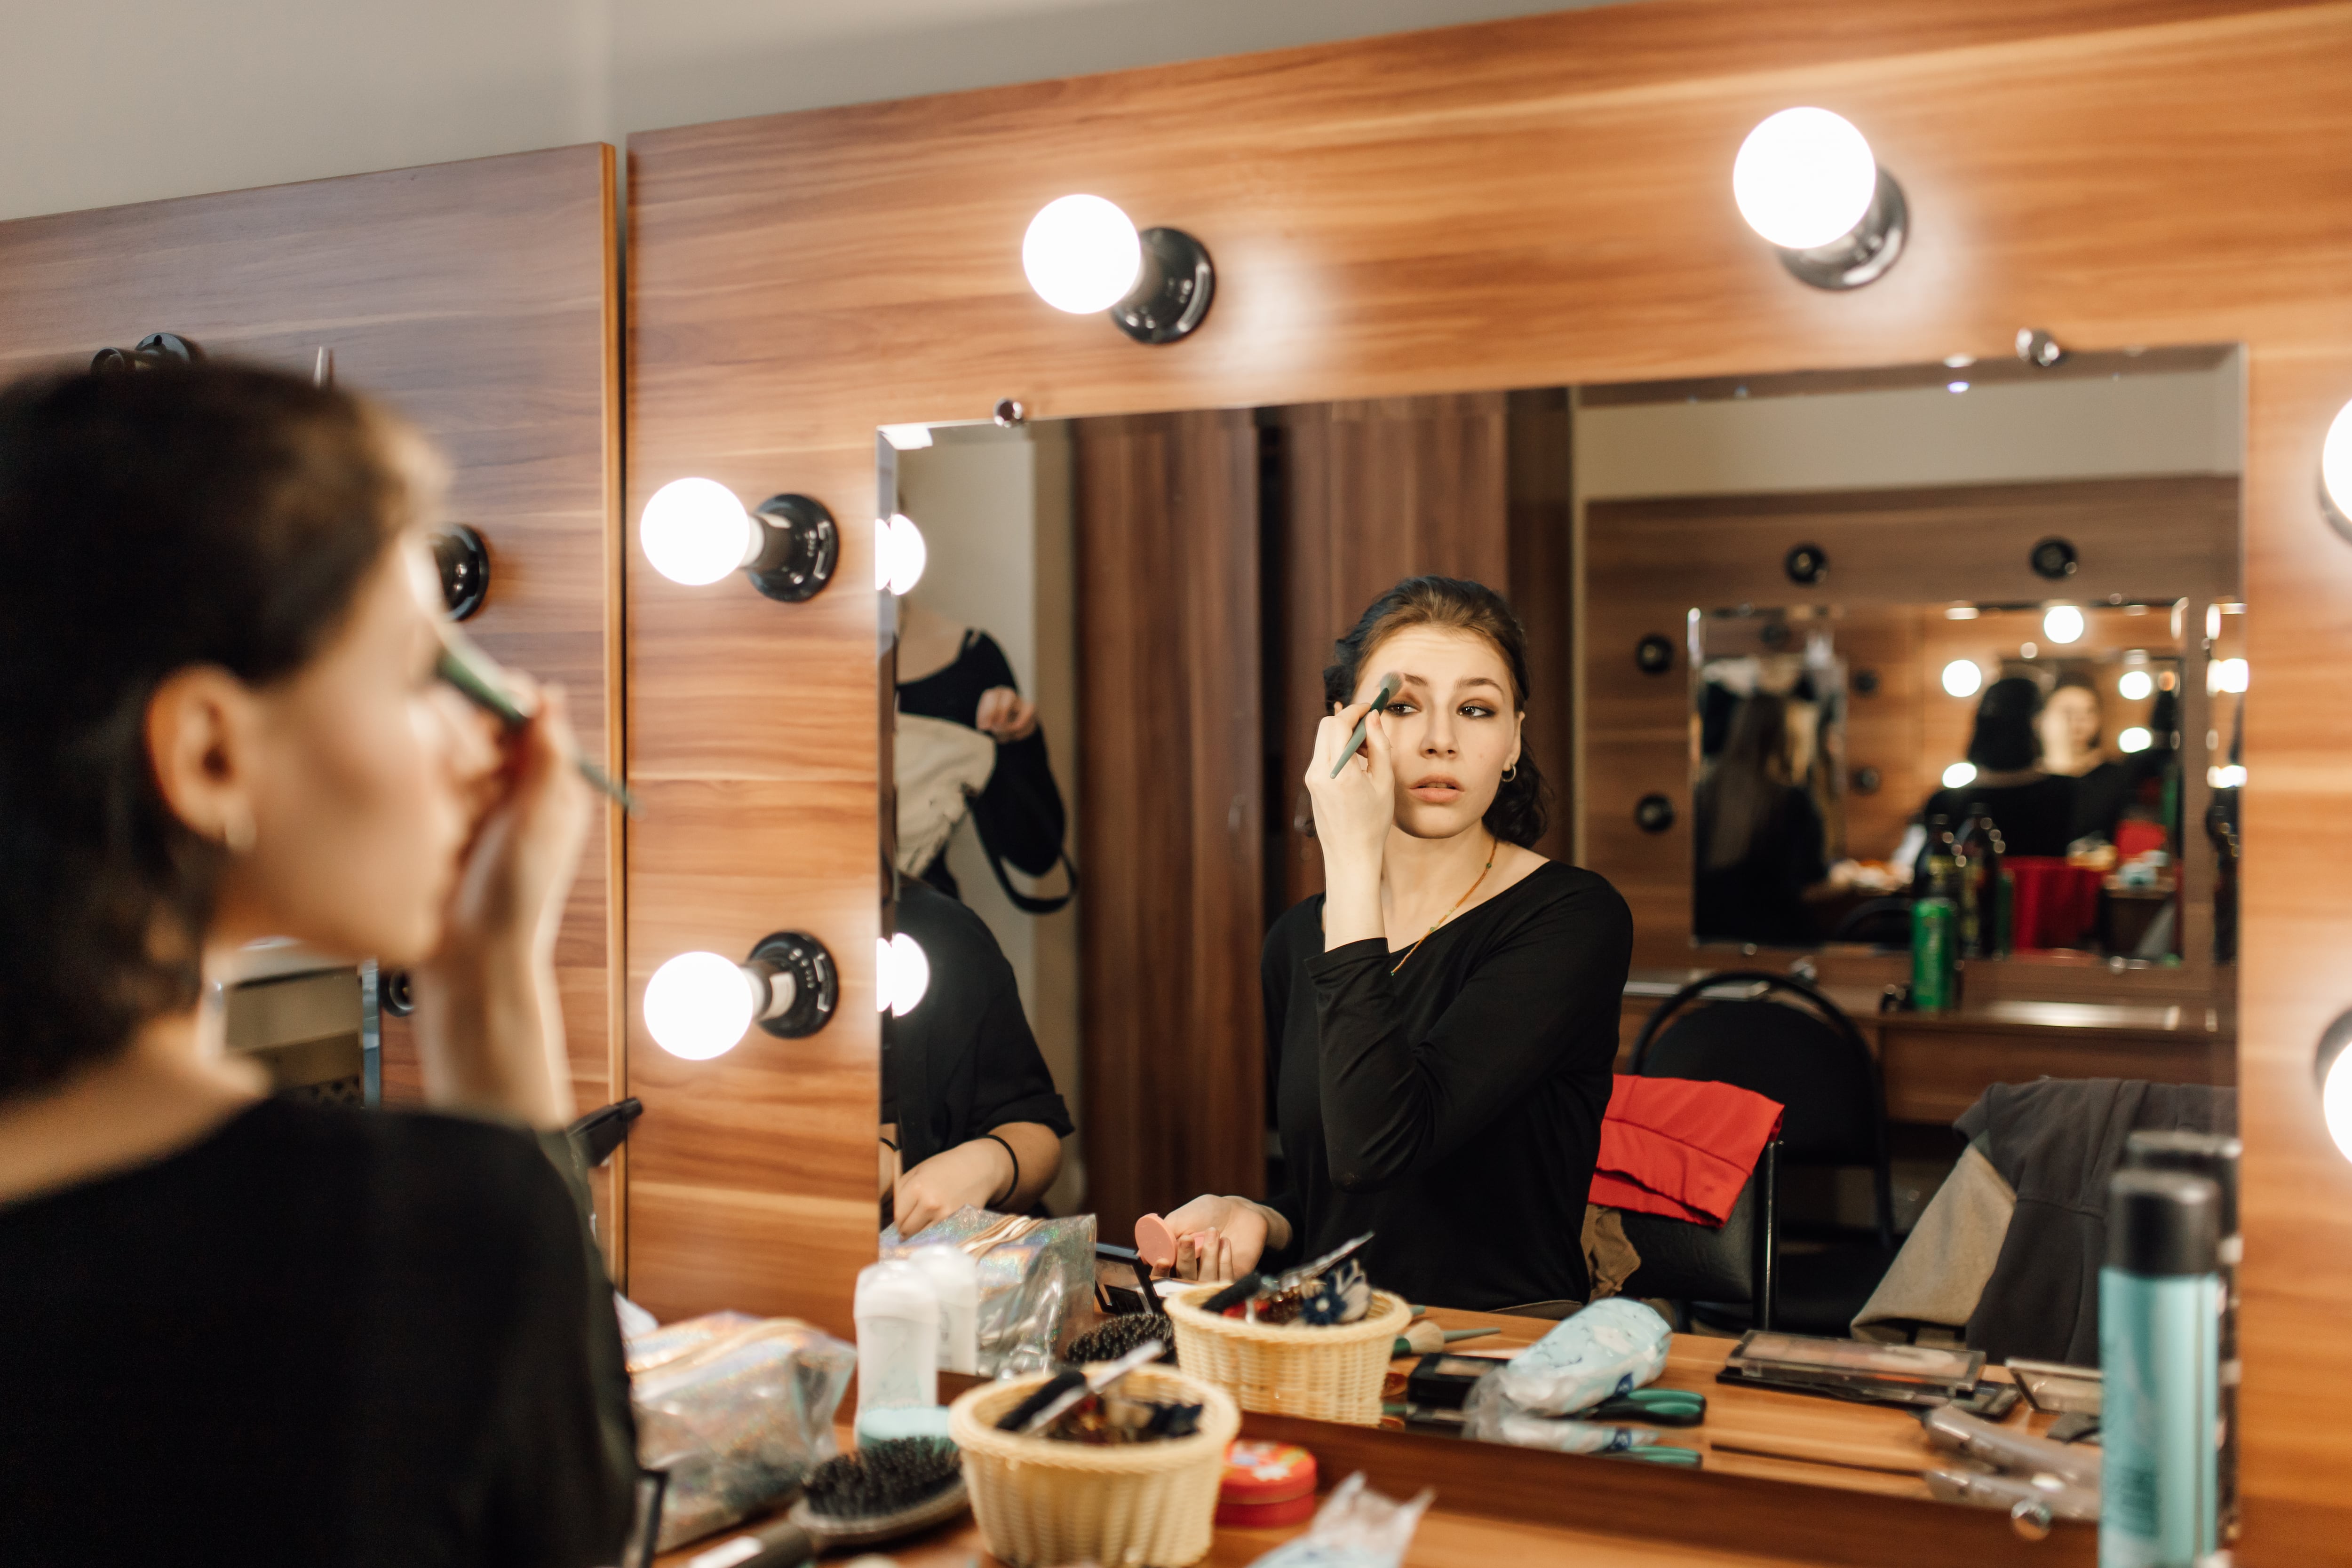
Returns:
(1390,684)
(877,1493)
(482,681)
(1119,1336)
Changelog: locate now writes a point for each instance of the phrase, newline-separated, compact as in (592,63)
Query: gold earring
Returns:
(237,833)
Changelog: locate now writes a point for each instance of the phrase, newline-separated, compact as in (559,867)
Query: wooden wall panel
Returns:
(480,299)
(1166,515)
(1544,203)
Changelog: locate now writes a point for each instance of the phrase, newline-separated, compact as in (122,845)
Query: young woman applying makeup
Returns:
(238,1329)
(1443,1017)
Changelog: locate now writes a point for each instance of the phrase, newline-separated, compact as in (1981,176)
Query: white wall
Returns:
(2175,424)
(103,101)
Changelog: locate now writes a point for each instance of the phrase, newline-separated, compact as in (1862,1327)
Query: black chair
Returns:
(1881,922)
(1714,1269)
(1806,1055)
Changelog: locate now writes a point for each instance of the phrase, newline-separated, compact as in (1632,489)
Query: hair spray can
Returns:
(2159,1319)
(1935,954)
(2214,1157)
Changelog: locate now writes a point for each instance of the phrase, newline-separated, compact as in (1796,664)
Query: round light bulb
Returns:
(2063,623)
(2336,1102)
(1962,678)
(699,1005)
(2135,739)
(695,531)
(2335,462)
(900,553)
(1082,254)
(2135,685)
(1959,774)
(902,972)
(2226,676)
(1805,177)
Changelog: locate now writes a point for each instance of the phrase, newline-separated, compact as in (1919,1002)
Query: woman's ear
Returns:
(202,730)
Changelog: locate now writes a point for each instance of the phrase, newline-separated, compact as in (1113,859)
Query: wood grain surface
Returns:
(1526,203)
(480,299)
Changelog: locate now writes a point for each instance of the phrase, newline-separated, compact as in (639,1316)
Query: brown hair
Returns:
(1521,807)
(208,514)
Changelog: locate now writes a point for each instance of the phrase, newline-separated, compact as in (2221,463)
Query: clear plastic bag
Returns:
(738,1409)
(1611,1347)
(1355,1528)
(1032,1273)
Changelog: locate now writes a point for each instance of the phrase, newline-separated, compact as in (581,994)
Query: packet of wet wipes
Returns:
(1611,1347)
(1497,1423)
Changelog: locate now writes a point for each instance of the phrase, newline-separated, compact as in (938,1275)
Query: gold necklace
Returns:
(1494,848)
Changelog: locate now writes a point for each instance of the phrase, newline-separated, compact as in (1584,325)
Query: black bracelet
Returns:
(1009,1155)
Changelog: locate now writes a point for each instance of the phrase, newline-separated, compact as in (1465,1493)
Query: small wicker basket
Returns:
(1324,1374)
(1039,1501)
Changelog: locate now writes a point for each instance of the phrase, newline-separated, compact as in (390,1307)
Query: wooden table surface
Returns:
(1761,1433)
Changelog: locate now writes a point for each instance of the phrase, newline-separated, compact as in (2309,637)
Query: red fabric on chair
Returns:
(2134,839)
(2057,904)
(1681,1147)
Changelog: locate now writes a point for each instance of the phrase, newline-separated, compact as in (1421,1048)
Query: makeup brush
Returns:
(483,683)
(1390,684)
(877,1493)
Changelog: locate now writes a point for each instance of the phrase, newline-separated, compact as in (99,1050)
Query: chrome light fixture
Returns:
(1806,180)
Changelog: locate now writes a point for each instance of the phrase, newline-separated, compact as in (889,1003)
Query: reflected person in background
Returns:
(969,1108)
(2035,810)
(960,675)
(1443,1018)
(1761,845)
(2071,727)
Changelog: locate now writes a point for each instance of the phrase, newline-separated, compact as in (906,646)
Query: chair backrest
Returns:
(1804,1054)
(1732,1262)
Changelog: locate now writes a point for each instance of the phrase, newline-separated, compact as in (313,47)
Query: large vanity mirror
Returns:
(1794,654)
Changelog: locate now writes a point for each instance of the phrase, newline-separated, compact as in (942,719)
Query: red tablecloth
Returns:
(2057,904)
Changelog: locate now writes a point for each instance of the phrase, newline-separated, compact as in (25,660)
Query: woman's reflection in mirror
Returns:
(1761,846)
(1443,1018)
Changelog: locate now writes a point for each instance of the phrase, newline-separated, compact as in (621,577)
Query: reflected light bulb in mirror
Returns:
(2226,676)
(1959,774)
(900,553)
(699,1005)
(2063,623)
(2336,464)
(1962,678)
(2135,739)
(1082,254)
(902,972)
(693,531)
(1805,177)
(2336,1084)
(2135,685)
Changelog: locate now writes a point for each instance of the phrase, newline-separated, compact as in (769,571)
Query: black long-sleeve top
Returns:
(317,1337)
(1454,1107)
(965,1062)
(1019,812)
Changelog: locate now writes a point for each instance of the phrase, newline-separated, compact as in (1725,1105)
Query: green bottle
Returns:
(1934,943)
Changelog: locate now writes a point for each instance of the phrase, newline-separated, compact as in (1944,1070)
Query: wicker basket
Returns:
(1324,1374)
(1040,1503)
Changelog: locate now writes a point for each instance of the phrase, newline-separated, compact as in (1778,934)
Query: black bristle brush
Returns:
(877,1493)
(1114,1337)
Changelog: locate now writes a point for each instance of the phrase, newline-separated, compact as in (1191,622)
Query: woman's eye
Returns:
(1475,710)
(1398,708)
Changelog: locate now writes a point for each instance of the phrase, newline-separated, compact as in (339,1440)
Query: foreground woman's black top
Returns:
(1456,1106)
(320,1338)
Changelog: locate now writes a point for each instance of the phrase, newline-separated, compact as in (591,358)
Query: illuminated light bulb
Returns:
(1805,177)
(2135,739)
(2135,685)
(2226,676)
(2229,777)
(1956,386)
(699,1005)
(2336,1103)
(1962,678)
(2336,463)
(1959,774)
(693,531)
(2063,623)
(900,553)
(902,972)
(1082,254)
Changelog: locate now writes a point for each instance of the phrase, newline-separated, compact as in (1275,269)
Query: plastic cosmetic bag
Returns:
(1609,1348)
(1033,1272)
(738,1409)
(1355,1528)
